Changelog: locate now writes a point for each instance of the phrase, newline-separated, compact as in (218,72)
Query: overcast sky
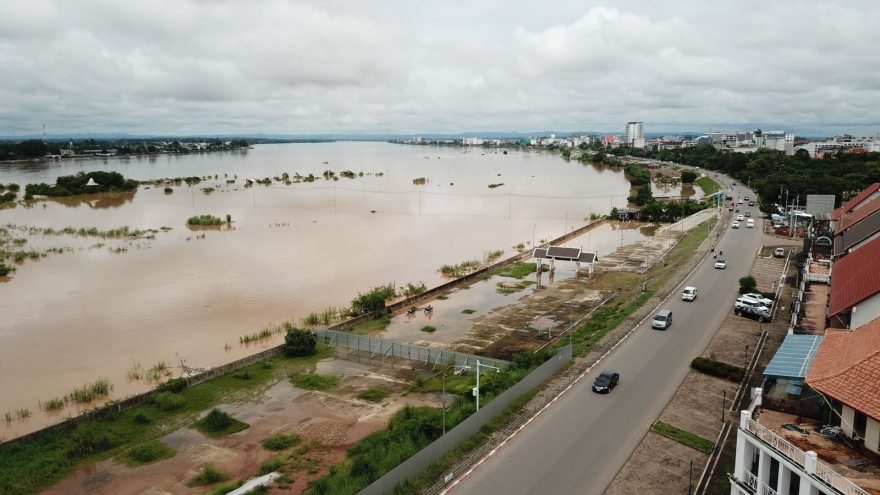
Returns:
(323,66)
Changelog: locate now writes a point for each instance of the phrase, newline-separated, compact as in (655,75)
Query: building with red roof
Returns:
(855,287)
(846,371)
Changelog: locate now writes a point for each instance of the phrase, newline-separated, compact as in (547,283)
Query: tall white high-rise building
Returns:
(635,134)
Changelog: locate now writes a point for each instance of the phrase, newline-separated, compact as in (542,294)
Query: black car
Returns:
(753,312)
(605,382)
(751,203)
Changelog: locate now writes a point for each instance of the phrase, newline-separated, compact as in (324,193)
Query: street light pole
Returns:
(477,389)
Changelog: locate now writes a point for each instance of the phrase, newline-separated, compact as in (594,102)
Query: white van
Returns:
(662,319)
(750,223)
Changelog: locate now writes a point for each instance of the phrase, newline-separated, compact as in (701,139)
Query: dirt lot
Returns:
(328,422)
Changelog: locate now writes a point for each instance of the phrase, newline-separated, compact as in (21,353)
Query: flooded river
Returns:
(96,306)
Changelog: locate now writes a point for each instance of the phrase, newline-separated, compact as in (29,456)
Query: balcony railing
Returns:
(817,470)
(756,486)
(778,443)
(830,477)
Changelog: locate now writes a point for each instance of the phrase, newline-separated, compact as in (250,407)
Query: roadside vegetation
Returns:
(683,436)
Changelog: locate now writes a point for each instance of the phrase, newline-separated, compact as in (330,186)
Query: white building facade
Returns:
(766,463)
(635,134)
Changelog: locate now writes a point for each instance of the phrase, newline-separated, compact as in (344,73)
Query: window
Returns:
(860,423)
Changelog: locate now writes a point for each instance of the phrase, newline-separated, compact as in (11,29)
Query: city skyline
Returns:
(195,68)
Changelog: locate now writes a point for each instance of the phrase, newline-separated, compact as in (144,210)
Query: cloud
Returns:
(182,66)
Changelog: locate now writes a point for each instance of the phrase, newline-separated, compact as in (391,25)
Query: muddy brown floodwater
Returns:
(96,307)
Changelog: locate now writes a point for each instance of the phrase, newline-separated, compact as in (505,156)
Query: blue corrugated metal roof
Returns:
(794,358)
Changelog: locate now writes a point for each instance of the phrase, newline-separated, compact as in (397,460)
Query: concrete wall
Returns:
(418,463)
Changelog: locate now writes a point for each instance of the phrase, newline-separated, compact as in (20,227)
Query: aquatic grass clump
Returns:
(90,392)
(461,269)
(204,221)
(157,371)
(429,329)
(54,404)
(262,334)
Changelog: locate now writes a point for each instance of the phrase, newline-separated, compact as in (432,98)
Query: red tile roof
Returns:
(847,368)
(853,203)
(855,277)
(848,219)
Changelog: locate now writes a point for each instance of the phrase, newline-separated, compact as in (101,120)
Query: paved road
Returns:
(580,443)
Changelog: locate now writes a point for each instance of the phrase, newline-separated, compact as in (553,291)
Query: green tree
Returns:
(299,342)
(688,177)
(642,196)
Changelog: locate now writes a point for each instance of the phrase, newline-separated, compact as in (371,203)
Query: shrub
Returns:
(373,395)
(281,442)
(168,190)
(429,329)
(717,368)
(4,270)
(168,401)
(299,342)
(209,475)
(146,453)
(141,418)
(173,385)
(271,465)
(218,423)
(747,284)
(224,489)
(217,420)
(314,381)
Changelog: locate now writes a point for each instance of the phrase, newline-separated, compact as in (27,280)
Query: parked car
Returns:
(760,298)
(748,302)
(754,312)
(721,264)
(606,381)
(689,293)
(779,253)
(740,218)
(734,225)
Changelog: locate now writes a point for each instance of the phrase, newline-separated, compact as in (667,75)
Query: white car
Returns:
(734,225)
(760,298)
(740,218)
(720,264)
(689,293)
